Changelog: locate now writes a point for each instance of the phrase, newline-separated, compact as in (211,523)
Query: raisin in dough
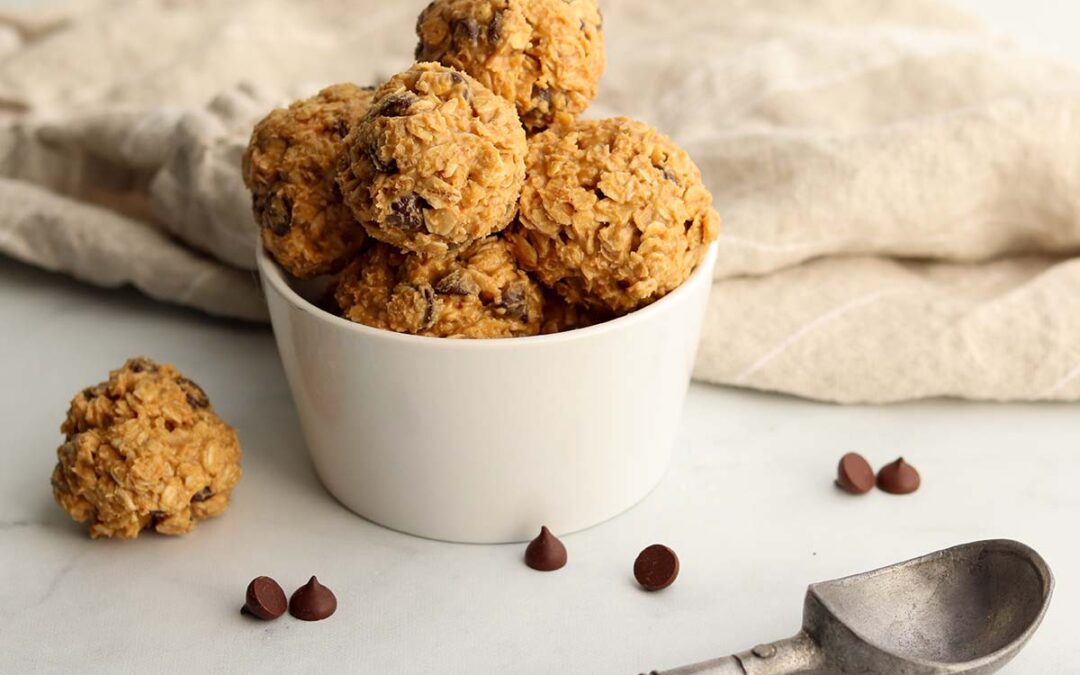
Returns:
(546,56)
(144,450)
(480,293)
(437,162)
(290,166)
(613,214)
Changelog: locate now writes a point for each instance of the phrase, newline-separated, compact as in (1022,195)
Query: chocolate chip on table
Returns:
(898,478)
(656,567)
(545,553)
(264,599)
(408,212)
(854,474)
(312,602)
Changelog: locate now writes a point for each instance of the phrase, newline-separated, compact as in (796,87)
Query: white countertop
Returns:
(748,505)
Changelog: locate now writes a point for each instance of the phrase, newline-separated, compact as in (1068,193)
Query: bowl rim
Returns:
(273,275)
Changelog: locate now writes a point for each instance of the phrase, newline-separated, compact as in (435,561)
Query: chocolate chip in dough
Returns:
(388,167)
(494,29)
(408,212)
(202,495)
(396,105)
(898,478)
(854,474)
(466,30)
(264,599)
(545,553)
(656,567)
(458,282)
(312,602)
(515,301)
(277,213)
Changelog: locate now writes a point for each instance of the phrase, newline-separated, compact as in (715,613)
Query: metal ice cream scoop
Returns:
(968,609)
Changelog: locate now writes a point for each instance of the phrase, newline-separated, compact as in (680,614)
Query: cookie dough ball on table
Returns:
(613,214)
(546,56)
(290,166)
(479,293)
(437,162)
(144,450)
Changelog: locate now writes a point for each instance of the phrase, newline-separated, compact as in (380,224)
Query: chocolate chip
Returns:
(277,213)
(854,474)
(407,212)
(542,95)
(341,128)
(196,397)
(671,177)
(156,517)
(515,300)
(312,602)
(264,599)
(389,167)
(899,478)
(396,105)
(494,29)
(202,495)
(466,30)
(430,308)
(545,553)
(458,282)
(656,567)
(458,79)
(142,364)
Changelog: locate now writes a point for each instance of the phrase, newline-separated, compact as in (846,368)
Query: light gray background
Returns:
(748,505)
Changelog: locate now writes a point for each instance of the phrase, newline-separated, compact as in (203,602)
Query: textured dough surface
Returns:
(480,293)
(437,162)
(290,165)
(546,56)
(144,450)
(613,214)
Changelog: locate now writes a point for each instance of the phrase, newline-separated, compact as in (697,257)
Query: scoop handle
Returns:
(799,654)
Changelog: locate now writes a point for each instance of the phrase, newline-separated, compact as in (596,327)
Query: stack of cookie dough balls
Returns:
(463,198)
(144,450)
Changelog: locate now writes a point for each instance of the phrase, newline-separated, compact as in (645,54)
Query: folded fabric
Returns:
(900,189)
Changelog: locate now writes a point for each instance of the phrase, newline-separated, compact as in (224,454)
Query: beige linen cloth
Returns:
(900,189)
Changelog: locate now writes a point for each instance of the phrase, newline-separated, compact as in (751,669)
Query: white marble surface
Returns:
(748,505)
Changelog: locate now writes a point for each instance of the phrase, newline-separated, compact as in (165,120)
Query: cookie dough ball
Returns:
(546,56)
(480,293)
(144,450)
(613,214)
(290,166)
(437,162)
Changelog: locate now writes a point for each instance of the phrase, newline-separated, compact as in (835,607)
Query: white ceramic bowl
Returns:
(486,440)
